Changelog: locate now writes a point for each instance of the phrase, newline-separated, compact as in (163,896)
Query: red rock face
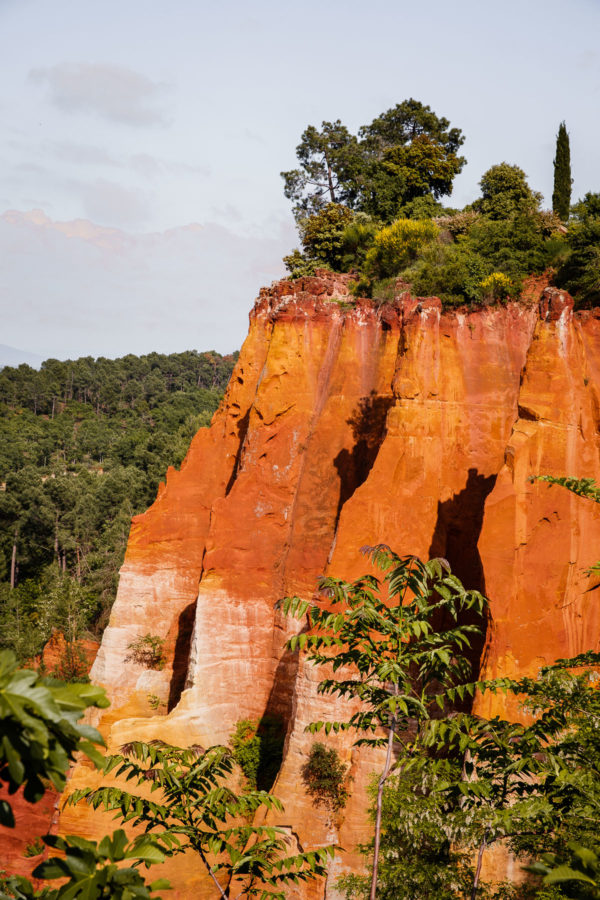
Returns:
(343,427)
(18,845)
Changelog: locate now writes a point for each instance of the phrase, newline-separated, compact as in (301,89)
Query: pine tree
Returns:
(561,196)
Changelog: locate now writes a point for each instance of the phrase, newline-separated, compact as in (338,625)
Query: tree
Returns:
(328,159)
(405,153)
(561,195)
(409,153)
(196,809)
(400,645)
(504,192)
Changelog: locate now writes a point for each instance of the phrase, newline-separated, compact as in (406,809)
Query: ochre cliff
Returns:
(343,426)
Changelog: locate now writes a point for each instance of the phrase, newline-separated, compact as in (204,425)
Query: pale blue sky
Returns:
(149,116)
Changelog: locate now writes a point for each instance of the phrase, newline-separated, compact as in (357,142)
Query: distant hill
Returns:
(11,356)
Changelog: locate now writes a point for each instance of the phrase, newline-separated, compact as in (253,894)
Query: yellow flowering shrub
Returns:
(495,287)
(397,245)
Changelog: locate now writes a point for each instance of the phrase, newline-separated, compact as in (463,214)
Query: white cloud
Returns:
(70,289)
(80,154)
(112,92)
(107,201)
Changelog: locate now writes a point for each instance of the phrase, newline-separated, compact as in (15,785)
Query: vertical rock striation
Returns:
(346,425)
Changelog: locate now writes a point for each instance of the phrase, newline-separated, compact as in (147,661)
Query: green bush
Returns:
(580,272)
(357,238)
(452,272)
(322,234)
(148,651)
(324,776)
(258,749)
(298,265)
(504,192)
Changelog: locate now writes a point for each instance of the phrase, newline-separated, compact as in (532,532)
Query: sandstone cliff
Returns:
(344,426)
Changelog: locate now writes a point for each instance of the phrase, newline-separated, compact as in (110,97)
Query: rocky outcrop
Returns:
(346,425)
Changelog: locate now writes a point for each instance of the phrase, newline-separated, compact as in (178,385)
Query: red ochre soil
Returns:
(344,426)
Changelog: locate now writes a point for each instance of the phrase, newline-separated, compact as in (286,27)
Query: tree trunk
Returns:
(224,895)
(56,548)
(330,181)
(13,562)
(380,786)
(482,847)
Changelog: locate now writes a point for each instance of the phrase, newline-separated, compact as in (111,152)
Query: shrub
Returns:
(322,234)
(258,749)
(357,238)
(496,287)
(324,776)
(580,272)
(397,245)
(298,265)
(457,223)
(451,272)
(35,848)
(73,664)
(147,651)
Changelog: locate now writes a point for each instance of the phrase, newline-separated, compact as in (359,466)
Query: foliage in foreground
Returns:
(40,730)
(91,870)
(399,645)
(193,807)
(191,804)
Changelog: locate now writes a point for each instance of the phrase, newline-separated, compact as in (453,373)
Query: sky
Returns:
(141,203)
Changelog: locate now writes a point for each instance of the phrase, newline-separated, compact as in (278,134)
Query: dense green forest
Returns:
(84,445)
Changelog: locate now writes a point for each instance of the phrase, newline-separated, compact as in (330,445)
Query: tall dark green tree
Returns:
(408,153)
(561,195)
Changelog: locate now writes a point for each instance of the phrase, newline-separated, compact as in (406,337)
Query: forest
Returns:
(84,445)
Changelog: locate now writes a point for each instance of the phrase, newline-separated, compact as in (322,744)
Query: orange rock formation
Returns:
(345,426)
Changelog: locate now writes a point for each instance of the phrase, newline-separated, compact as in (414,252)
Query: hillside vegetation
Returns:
(371,204)
(84,445)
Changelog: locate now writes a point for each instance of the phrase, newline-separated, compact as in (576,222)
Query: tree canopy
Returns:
(84,445)
(405,153)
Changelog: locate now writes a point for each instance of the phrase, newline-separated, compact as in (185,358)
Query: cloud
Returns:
(151,166)
(107,201)
(80,154)
(112,92)
(145,164)
(74,288)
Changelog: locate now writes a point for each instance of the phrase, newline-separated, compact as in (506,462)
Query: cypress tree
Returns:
(561,196)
